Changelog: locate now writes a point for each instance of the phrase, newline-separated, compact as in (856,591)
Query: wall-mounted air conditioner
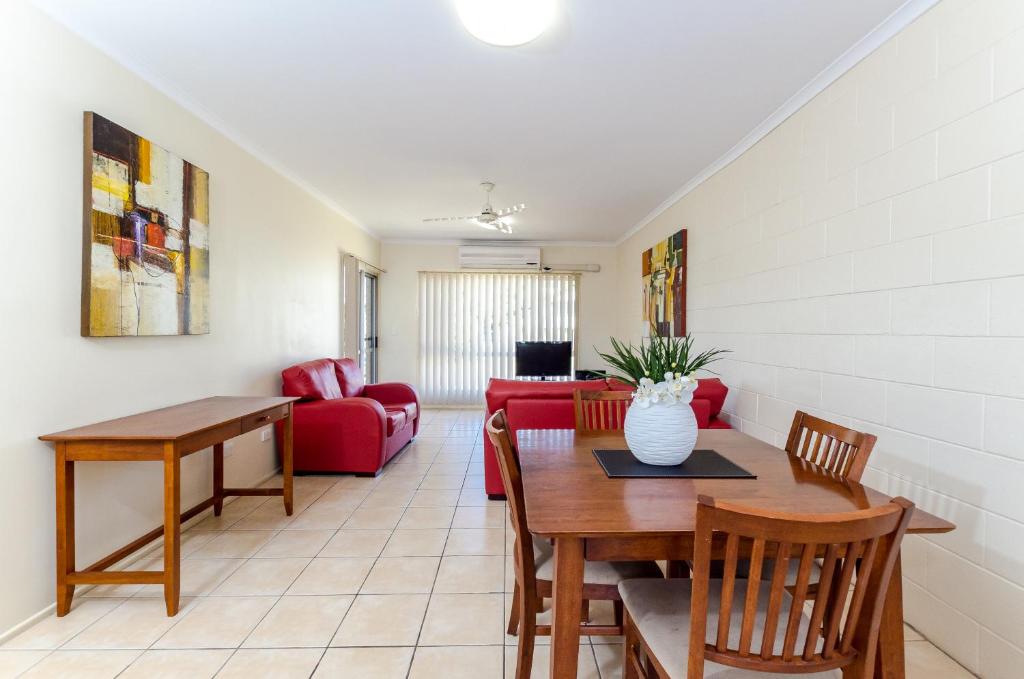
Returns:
(499,257)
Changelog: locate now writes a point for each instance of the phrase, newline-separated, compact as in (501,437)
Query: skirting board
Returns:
(127,561)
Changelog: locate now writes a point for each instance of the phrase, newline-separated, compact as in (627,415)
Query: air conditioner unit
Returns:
(498,257)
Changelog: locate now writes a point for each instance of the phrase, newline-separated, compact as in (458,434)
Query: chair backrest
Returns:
(837,449)
(862,543)
(601,410)
(511,476)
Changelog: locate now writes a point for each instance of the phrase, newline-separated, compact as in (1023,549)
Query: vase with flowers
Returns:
(660,427)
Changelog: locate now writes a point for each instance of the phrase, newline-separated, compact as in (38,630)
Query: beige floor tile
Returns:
(300,621)
(136,623)
(453,482)
(332,576)
(386,497)
(448,468)
(375,517)
(321,517)
(544,618)
(382,620)
(81,665)
(233,544)
(340,498)
(457,662)
(464,620)
(178,664)
(414,469)
(279,663)
(217,622)
(51,632)
(360,663)
(405,483)
(586,669)
(401,575)
(13,663)
(609,659)
(198,576)
(345,542)
(112,591)
(924,661)
(475,542)
(416,542)
(427,517)
(295,543)
(490,516)
(470,574)
(262,577)
(911,634)
(269,516)
(473,497)
(435,498)
(354,482)
(474,481)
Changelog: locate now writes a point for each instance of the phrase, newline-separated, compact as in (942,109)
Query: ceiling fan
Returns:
(489,218)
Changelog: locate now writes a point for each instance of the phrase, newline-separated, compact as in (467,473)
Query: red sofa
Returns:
(341,423)
(549,405)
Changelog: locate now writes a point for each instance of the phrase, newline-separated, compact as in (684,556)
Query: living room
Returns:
(320,242)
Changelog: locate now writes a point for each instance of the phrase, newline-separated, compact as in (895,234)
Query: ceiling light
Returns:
(506,23)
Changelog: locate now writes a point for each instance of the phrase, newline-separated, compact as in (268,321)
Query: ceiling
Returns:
(393,112)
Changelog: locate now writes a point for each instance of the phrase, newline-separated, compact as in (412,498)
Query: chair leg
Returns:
(631,668)
(513,616)
(527,638)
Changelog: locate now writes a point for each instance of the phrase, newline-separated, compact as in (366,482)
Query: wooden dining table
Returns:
(588,516)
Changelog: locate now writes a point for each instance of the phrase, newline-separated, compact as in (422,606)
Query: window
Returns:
(470,323)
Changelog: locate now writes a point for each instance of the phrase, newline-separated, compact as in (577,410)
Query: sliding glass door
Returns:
(368,337)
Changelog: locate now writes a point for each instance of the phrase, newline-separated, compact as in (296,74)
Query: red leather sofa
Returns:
(344,425)
(549,405)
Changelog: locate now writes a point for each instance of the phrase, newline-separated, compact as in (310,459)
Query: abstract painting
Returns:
(146,258)
(664,286)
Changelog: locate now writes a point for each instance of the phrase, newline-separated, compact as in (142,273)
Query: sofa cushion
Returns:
(712,390)
(350,377)
(395,419)
(499,390)
(311,381)
(409,409)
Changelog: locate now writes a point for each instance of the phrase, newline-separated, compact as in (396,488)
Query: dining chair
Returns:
(534,564)
(679,628)
(828,445)
(601,410)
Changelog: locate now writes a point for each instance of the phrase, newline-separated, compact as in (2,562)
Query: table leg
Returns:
(65,476)
(889,659)
(287,453)
(567,591)
(218,478)
(172,527)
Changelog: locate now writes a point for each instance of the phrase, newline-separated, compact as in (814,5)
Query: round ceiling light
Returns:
(506,23)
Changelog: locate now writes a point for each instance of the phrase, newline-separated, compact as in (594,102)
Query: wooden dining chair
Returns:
(601,410)
(674,628)
(828,445)
(534,564)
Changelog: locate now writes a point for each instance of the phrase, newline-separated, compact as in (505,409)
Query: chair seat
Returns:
(594,572)
(660,609)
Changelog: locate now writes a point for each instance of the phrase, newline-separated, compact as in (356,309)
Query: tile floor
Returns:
(404,575)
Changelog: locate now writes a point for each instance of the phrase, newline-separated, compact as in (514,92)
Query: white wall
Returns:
(275,272)
(865,261)
(400,300)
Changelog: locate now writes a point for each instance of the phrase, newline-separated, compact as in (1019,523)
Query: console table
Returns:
(165,435)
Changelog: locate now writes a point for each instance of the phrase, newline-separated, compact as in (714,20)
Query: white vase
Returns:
(662,433)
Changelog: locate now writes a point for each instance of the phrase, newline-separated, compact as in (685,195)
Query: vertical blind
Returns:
(470,323)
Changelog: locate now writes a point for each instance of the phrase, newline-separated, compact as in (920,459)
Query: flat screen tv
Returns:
(543,359)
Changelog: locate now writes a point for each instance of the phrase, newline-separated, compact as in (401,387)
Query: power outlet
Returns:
(265,435)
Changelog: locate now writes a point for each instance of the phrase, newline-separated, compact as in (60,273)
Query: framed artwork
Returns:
(146,250)
(664,286)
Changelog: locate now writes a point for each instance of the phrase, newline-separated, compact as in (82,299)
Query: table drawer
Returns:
(263,418)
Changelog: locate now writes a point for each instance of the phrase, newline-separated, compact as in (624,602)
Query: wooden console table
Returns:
(165,435)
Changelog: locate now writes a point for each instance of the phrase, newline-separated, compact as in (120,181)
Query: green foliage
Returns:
(657,356)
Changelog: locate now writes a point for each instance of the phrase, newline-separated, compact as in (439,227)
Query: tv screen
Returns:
(543,359)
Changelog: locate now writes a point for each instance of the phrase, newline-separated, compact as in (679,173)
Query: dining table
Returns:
(588,516)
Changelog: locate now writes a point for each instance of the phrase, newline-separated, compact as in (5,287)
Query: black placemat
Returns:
(702,464)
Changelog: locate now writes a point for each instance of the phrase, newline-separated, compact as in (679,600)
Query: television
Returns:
(543,359)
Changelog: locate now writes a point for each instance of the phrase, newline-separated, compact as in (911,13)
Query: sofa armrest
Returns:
(702,411)
(354,428)
(395,392)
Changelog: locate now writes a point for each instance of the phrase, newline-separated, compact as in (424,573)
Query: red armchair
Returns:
(344,425)
(549,405)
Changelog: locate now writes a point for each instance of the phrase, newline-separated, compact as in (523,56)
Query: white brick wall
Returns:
(865,261)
